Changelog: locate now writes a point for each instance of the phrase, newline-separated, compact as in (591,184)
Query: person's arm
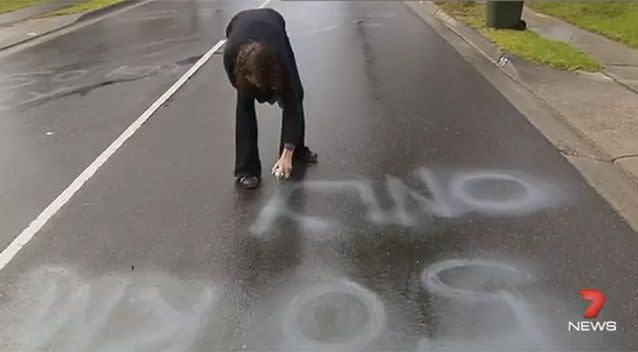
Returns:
(229,63)
(290,58)
(292,62)
(292,101)
(291,132)
(291,116)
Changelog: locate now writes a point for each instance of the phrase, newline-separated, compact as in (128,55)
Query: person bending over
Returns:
(260,64)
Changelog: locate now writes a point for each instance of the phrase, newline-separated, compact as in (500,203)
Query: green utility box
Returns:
(505,15)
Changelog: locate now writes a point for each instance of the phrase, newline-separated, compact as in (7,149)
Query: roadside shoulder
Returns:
(589,117)
(33,29)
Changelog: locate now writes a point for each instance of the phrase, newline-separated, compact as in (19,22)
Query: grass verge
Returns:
(526,44)
(12,5)
(89,5)
(617,20)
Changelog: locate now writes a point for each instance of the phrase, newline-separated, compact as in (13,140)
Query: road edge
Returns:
(506,62)
(611,181)
(87,16)
(107,9)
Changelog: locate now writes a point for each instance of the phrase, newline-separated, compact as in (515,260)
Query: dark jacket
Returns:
(269,27)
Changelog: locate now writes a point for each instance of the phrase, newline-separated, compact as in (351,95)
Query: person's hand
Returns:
(283,166)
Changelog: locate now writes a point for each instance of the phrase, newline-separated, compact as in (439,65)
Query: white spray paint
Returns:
(432,282)
(526,330)
(56,310)
(525,317)
(323,229)
(509,343)
(437,205)
(304,304)
(536,195)
(438,198)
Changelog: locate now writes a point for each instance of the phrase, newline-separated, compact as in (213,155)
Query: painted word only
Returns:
(443,195)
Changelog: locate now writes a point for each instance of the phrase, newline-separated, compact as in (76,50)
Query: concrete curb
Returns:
(480,43)
(99,12)
(26,40)
(613,181)
(83,17)
(505,62)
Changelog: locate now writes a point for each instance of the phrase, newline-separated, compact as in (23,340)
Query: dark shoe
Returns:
(248,182)
(306,156)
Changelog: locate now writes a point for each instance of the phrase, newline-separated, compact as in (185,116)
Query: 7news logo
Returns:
(598,300)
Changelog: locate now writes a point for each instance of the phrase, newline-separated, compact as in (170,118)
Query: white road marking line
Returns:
(27,234)
(36,225)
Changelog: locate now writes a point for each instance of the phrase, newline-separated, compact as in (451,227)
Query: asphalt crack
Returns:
(620,83)
(78,90)
(189,61)
(85,89)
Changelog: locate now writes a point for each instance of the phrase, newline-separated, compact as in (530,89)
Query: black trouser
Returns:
(247,161)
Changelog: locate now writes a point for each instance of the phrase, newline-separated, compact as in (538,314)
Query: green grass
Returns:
(526,44)
(89,5)
(12,5)
(617,20)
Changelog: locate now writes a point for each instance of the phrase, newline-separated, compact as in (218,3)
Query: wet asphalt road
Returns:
(63,102)
(438,218)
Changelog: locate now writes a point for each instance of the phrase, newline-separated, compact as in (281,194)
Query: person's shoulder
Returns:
(237,15)
(279,16)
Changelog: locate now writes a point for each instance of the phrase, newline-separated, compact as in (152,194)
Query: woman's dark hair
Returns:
(257,70)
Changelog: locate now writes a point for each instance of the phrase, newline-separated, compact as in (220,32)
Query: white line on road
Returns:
(27,234)
(264,4)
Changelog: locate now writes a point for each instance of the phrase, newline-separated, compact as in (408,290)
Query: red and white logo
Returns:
(598,300)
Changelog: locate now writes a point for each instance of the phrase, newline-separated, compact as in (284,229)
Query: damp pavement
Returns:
(437,219)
